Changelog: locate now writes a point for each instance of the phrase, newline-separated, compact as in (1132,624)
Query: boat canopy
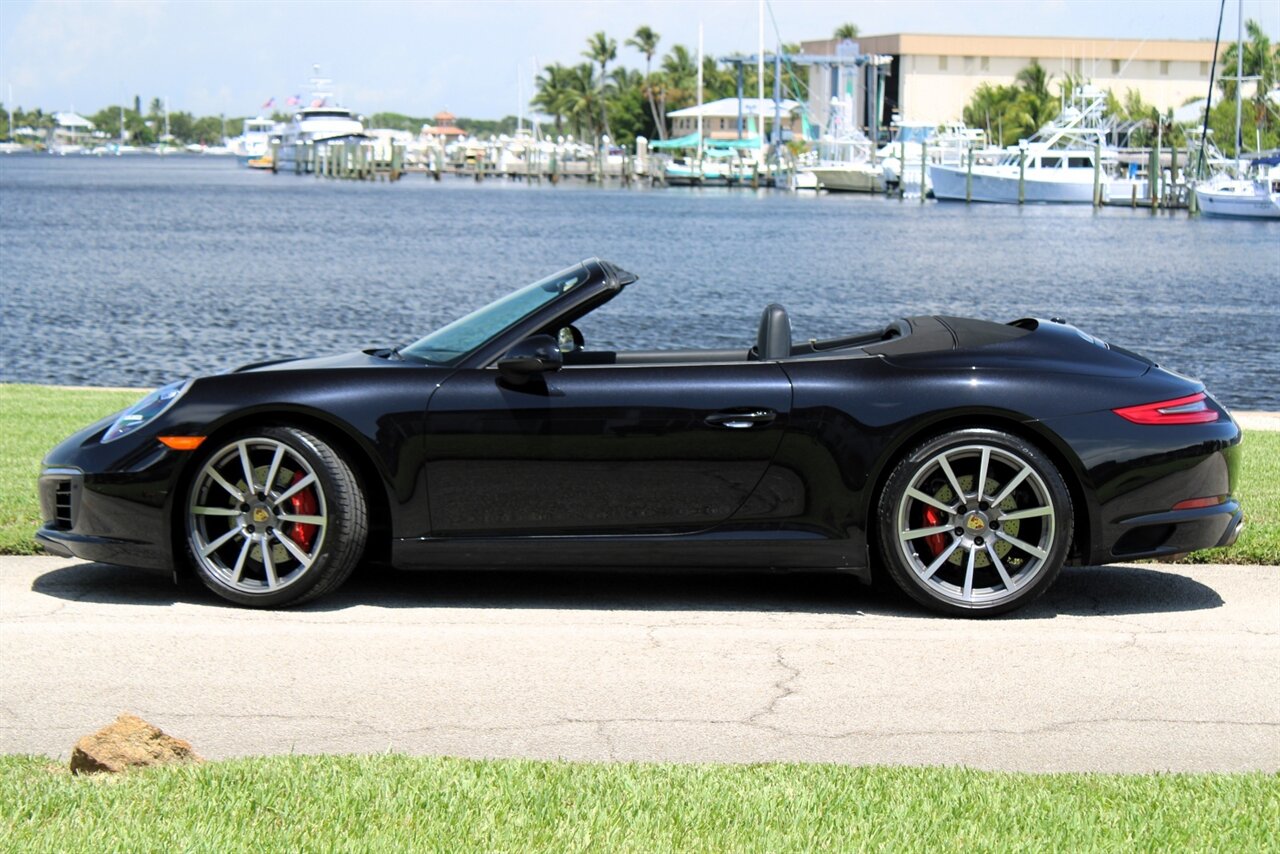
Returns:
(691,141)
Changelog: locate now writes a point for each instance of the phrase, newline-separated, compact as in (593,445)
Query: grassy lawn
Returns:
(35,418)
(32,420)
(397,803)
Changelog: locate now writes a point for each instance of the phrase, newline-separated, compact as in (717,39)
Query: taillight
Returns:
(1191,409)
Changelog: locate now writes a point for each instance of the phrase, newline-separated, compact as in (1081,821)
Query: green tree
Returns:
(583,102)
(680,71)
(646,42)
(846,31)
(552,98)
(986,108)
(1260,59)
(182,126)
(629,114)
(1013,112)
(602,49)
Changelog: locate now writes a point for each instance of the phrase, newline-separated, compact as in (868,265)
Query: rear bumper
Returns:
(1177,531)
(1133,476)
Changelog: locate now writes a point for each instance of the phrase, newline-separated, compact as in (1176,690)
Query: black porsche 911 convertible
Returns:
(967,459)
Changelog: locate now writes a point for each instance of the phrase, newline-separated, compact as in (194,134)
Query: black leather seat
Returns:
(774,339)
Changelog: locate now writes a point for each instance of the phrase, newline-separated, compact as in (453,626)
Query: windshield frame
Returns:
(473,331)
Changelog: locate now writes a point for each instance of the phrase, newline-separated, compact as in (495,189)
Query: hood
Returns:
(354,359)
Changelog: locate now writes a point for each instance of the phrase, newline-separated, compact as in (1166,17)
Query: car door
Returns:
(601,449)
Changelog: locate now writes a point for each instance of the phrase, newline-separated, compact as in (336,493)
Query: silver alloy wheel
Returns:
(245,524)
(976,524)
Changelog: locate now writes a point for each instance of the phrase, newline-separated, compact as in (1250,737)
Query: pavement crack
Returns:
(783,688)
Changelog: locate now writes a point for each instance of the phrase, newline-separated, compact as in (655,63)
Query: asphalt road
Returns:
(1130,668)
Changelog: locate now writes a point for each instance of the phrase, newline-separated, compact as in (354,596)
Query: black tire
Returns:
(295,535)
(971,555)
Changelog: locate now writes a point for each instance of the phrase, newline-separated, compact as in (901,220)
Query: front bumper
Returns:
(77,508)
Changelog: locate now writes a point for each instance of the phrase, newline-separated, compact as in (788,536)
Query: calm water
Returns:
(134,271)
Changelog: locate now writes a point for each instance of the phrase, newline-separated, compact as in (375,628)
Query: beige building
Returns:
(930,77)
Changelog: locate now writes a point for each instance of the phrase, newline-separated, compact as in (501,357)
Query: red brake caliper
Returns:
(304,504)
(936,542)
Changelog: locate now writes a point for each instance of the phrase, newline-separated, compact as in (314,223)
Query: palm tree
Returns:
(846,31)
(681,72)
(677,81)
(986,105)
(554,86)
(646,41)
(583,101)
(1034,79)
(1261,60)
(1035,106)
(604,50)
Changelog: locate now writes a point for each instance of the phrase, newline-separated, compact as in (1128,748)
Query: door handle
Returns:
(741,419)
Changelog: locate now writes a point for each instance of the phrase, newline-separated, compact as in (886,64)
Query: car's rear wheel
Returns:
(975,522)
(274,517)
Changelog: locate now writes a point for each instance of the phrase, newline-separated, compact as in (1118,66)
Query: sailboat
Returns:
(1253,196)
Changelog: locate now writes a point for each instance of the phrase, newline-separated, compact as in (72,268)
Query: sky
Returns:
(475,58)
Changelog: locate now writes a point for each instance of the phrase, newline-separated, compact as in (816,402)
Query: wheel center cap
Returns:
(976,523)
(260,514)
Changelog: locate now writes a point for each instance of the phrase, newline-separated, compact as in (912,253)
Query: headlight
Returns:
(146,410)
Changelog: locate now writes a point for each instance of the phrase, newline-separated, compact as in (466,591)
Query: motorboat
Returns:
(682,172)
(1056,165)
(846,161)
(948,143)
(255,140)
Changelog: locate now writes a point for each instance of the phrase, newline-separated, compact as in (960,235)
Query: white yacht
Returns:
(1256,196)
(1059,161)
(255,140)
(322,121)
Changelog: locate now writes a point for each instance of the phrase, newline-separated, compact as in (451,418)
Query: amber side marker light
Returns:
(182,443)
(1191,409)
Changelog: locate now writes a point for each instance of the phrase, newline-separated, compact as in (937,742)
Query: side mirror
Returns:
(537,354)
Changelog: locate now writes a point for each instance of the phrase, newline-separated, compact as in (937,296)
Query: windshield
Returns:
(447,346)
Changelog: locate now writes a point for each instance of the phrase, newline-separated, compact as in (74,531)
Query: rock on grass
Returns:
(129,742)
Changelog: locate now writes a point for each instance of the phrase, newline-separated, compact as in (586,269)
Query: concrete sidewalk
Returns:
(1128,668)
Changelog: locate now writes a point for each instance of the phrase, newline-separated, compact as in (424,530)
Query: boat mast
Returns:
(699,95)
(1239,76)
(1208,100)
(760,86)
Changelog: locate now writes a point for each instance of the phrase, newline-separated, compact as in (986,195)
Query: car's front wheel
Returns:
(274,517)
(975,522)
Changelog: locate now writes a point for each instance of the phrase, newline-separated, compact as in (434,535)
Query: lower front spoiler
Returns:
(104,549)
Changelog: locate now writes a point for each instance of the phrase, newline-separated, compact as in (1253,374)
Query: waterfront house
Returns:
(720,118)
